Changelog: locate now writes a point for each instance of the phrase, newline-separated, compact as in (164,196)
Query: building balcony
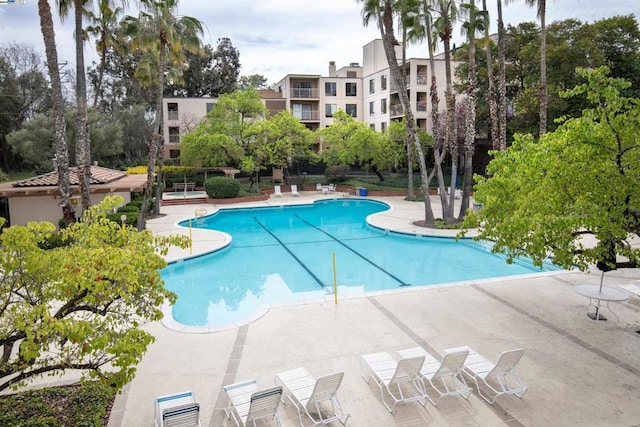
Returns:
(396,110)
(173,115)
(307,115)
(304,93)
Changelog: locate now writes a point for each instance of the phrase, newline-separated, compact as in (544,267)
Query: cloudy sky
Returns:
(277,37)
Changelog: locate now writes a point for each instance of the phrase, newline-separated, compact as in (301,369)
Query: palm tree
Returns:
(421,31)
(160,31)
(476,21)
(83,147)
(105,23)
(383,13)
(60,130)
(491,93)
(447,12)
(542,10)
(502,81)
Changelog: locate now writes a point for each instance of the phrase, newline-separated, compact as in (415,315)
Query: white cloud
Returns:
(277,37)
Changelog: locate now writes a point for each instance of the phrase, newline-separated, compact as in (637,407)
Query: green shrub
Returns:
(72,406)
(337,173)
(52,242)
(221,187)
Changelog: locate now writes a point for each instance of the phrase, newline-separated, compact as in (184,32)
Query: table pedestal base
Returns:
(596,316)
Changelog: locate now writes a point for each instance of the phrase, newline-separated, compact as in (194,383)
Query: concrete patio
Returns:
(579,371)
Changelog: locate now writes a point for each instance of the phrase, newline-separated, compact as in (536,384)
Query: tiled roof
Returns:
(99,175)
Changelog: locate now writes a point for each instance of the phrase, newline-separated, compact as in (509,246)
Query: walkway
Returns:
(579,372)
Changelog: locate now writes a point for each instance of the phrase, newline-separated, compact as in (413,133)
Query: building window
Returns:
(210,106)
(174,135)
(330,110)
(174,154)
(352,74)
(302,111)
(372,108)
(351,89)
(351,109)
(372,86)
(372,126)
(330,88)
(173,110)
(383,82)
(383,126)
(383,106)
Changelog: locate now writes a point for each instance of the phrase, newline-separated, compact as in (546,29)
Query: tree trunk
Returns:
(155,146)
(408,143)
(543,69)
(389,42)
(60,130)
(435,113)
(450,138)
(491,93)
(83,151)
(502,83)
(470,119)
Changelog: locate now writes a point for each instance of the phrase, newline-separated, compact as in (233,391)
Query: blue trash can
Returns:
(363,192)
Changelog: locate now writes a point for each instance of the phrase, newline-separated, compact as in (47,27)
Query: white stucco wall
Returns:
(45,208)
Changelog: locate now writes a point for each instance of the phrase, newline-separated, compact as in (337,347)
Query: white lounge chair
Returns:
(332,188)
(277,191)
(309,394)
(500,378)
(180,409)
(247,403)
(401,379)
(319,188)
(445,377)
(294,190)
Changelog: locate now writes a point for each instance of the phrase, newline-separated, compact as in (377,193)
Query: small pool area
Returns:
(285,254)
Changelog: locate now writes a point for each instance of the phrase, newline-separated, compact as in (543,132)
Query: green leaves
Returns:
(575,193)
(79,306)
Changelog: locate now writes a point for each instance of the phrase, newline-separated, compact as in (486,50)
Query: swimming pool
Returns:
(283,254)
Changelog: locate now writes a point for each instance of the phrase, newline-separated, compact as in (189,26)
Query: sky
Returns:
(279,37)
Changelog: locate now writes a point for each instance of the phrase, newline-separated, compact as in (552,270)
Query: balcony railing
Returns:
(421,106)
(304,93)
(396,110)
(173,115)
(174,139)
(307,115)
(422,79)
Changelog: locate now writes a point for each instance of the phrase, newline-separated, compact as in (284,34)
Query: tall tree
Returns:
(541,6)
(165,36)
(25,93)
(104,26)
(575,193)
(447,12)
(226,67)
(475,20)
(62,151)
(492,95)
(383,13)
(502,82)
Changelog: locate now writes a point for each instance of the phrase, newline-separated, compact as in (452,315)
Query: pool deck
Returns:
(579,371)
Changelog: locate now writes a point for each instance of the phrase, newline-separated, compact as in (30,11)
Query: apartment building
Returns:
(366,92)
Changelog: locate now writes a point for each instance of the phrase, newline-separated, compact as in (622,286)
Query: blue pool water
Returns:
(282,254)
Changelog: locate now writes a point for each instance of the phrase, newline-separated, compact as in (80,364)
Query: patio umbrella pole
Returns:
(597,315)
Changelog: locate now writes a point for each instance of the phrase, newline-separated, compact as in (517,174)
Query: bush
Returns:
(221,187)
(71,406)
(337,173)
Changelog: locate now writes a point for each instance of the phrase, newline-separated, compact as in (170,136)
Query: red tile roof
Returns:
(99,175)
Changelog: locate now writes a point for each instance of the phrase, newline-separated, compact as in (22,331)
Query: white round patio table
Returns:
(596,294)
